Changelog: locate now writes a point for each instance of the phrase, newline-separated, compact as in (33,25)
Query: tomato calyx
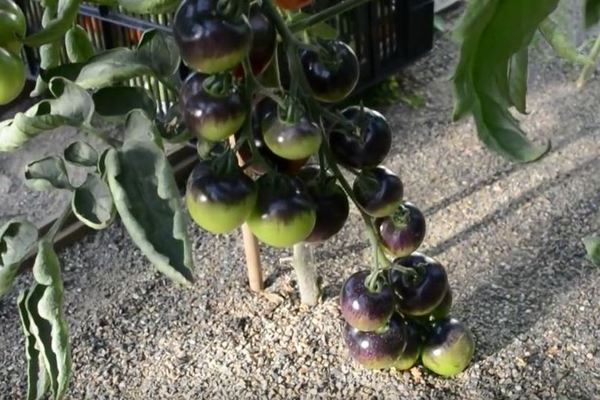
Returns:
(219,85)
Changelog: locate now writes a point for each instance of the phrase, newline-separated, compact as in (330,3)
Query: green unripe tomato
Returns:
(12,76)
(449,348)
(12,26)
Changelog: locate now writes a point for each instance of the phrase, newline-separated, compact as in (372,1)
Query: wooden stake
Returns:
(251,250)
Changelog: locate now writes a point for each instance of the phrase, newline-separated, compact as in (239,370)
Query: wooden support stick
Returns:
(255,275)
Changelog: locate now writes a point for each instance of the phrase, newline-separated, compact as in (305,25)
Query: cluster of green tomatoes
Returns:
(12,67)
(395,314)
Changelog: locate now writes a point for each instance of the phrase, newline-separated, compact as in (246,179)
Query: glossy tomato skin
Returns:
(420,294)
(209,42)
(292,141)
(333,79)
(331,202)
(283,214)
(412,351)
(264,41)
(219,202)
(363,309)
(368,146)
(378,191)
(449,348)
(402,232)
(212,117)
(292,4)
(12,76)
(378,349)
(290,167)
(12,26)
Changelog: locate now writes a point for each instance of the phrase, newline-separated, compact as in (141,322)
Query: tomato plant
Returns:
(396,312)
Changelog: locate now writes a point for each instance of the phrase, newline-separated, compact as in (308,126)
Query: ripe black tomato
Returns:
(378,191)
(421,293)
(332,73)
(264,41)
(402,232)
(362,308)
(368,145)
(412,351)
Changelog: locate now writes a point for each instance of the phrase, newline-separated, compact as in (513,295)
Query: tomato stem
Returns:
(325,14)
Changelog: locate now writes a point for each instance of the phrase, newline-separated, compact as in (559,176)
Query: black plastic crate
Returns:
(385,34)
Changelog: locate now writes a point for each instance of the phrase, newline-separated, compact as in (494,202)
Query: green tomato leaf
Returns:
(47,173)
(139,127)
(57,27)
(44,307)
(92,203)
(563,47)
(148,201)
(81,153)
(592,246)
(17,239)
(159,51)
(78,45)
(491,32)
(119,101)
(591,12)
(519,67)
(49,53)
(37,379)
(72,106)
(149,6)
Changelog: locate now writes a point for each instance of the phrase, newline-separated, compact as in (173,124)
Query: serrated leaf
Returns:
(491,33)
(57,27)
(78,45)
(148,202)
(120,100)
(44,306)
(159,51)
(563,47)
(47,173)
(37,379)
(153,57)
(519,67)
(592,246)
(72,106)
(81,153)
(92,203)
(591,12)
(17,239)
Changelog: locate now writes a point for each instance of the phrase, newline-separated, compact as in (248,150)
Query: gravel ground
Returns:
(510,236)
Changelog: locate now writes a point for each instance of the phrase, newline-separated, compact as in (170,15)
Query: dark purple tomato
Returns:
(412,351)
(366,146)
(402,232)
(364,309)
(443,309)
(283,214)
(332,74)
(449,348)
(264,40)
(378,349)
(219,200)
(209,41)
(378,191)
(291,167)
(331,204)
(291,140)
(423,291)
(211,116)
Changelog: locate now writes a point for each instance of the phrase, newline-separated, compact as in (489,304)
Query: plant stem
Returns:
(587,71)
(306,273)
(326,14)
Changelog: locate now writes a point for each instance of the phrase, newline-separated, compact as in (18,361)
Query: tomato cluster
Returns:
(12,68)
(396,316)
(283,200)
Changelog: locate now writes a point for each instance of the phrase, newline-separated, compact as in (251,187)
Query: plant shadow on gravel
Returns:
(526,284)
